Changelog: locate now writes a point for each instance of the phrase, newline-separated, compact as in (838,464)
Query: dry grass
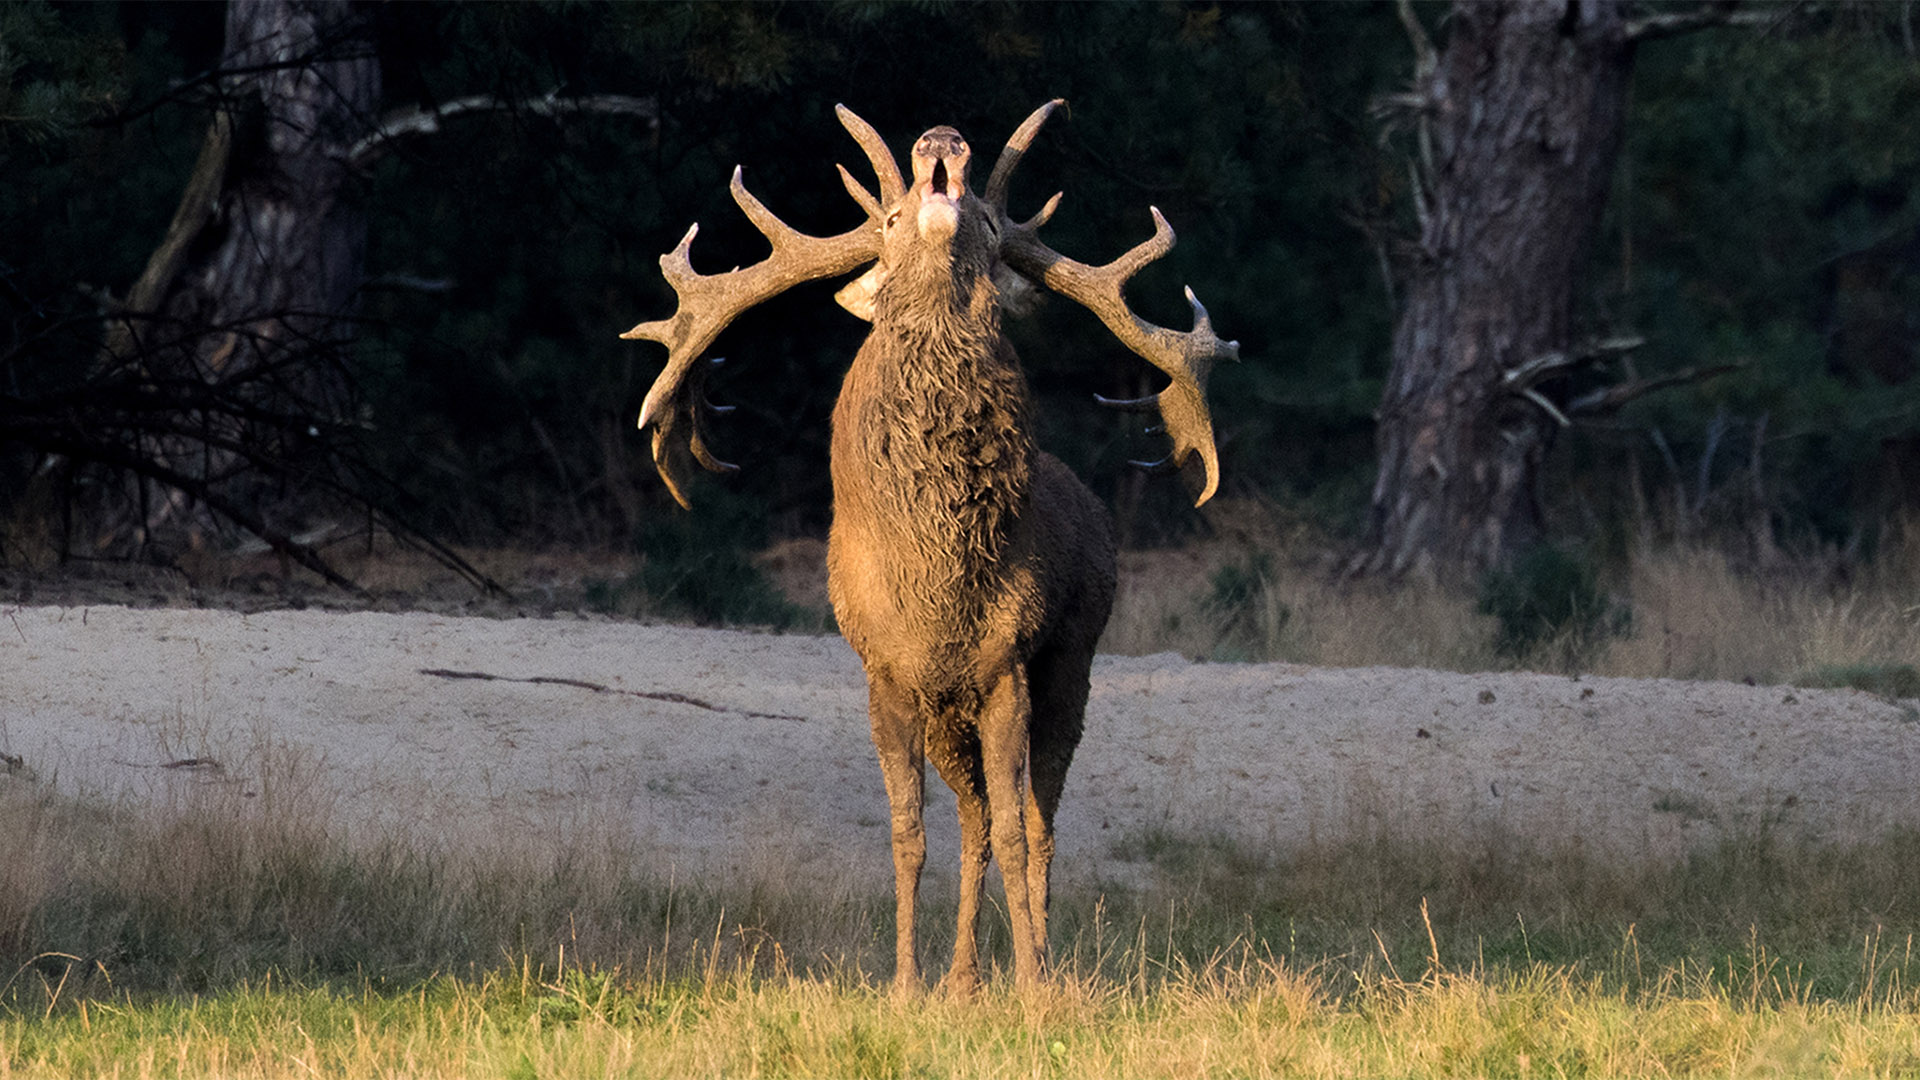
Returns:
(1264,591)
(230,930)
(212,939)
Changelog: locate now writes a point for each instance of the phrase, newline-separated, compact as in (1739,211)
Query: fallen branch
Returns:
(598,688)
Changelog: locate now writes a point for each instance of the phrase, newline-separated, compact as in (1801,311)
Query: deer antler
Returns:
(675,406)
(1188,358)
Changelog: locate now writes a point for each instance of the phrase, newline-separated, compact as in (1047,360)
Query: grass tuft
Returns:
(1886,679)
(1265,590)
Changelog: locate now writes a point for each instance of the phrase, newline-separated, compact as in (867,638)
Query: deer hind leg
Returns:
(899,741)
(1059,685)
(957,755)
(1003,759)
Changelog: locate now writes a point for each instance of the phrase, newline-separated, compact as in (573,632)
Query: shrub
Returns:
(695,566)
(1887,680)
(1548,595)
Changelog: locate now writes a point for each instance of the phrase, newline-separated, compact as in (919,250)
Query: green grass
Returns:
(1241,1015)
(1887,680)
(216,940)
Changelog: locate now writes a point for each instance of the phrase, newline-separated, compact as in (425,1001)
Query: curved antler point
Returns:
(680,249)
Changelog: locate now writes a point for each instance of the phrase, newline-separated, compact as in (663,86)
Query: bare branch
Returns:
(195,488)
(1546,406)
(1718,13)
(1425,59)
(1611,399)
(416,120)
(1550,365)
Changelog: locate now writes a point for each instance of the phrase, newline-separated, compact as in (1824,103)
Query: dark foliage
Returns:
(1766,213)
(1546,596)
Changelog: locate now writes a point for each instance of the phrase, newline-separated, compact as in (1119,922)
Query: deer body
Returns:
(972,573)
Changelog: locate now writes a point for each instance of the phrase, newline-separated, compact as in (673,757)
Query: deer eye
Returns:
(893,219)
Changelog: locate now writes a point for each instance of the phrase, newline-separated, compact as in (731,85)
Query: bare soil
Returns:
(720,751)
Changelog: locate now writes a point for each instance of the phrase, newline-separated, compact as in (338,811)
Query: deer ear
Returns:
(857,295)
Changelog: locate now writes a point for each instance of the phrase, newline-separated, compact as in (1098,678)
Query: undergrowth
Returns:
(240,936)
(115,899)
(1266,589)
(272,952)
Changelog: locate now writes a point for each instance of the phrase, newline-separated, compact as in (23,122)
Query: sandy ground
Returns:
(723,751)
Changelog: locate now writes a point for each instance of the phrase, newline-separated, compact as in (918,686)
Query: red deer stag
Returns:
(971,572)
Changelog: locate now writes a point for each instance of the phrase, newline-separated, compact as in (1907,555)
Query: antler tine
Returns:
(860,193)
(996,193)
(885,168)
(1187,357)
(1046,213)
(707,304)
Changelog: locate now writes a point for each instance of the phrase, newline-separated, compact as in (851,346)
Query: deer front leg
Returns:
(898,740)
(1003,755)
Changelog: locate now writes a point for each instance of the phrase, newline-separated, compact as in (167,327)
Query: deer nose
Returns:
(940,160)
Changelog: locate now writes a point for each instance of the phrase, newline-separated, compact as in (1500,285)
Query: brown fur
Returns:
(972,573)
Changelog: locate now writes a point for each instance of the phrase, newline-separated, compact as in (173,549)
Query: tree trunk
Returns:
(239,311)
(1522,114)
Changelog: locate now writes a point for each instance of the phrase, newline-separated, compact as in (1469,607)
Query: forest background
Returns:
(1760,234)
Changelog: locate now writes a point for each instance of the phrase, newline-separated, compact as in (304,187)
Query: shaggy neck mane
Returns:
(955,410)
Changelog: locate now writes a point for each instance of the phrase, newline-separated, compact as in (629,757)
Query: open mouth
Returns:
(942,184)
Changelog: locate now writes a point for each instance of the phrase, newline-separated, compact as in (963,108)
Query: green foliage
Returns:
(1767,214)
(1548,595)
(1242,608)
(1887,680)
(53,74)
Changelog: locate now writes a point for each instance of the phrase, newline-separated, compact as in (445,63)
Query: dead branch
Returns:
(600,688)
(1554,364)
(117,412)
(425,120)
(1611,399)
(1707,16)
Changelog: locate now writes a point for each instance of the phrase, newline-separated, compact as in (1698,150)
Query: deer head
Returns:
(935,230)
